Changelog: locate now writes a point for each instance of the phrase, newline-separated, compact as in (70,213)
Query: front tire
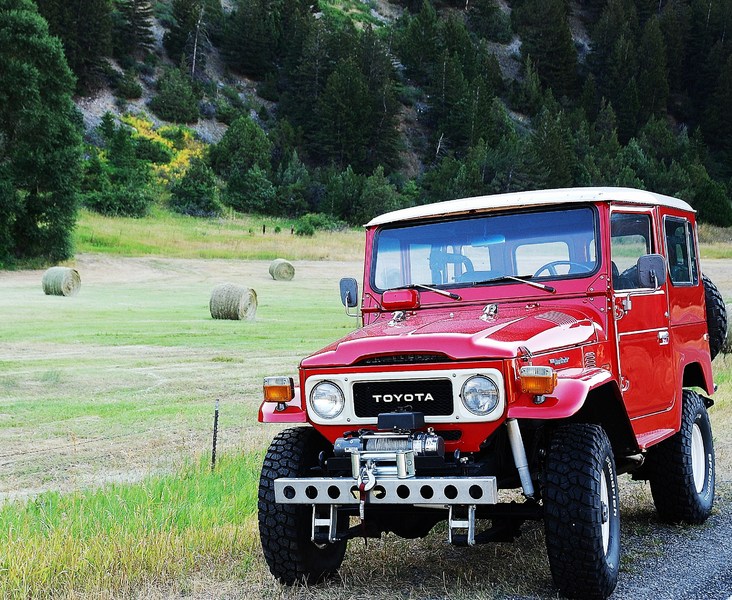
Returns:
(285,529)
(681,469)
(581,511)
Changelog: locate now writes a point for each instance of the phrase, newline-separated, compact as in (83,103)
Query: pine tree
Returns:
(345,114)
(548,40)
(250,38)
(175,101)
(622,86)
(243,146)
(196,192)
(40,133)
(652,80)
(306,83)
(674,23)
(383,135)
(489,21)
(619,19)
(85,30)
(528,95)
(718,118)
(191,34)
(419,43)
(133,22)
(449,105)
(551,143)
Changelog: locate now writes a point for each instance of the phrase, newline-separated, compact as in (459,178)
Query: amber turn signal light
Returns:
(537,380)
(279,389)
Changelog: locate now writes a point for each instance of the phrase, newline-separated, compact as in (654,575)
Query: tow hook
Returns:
(365,483)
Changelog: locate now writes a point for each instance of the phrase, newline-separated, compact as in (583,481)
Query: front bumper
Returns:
(342,491)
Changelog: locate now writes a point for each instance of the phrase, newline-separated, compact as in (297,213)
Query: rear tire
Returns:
(681,469)
(716,317)
(581,512)
(285,529)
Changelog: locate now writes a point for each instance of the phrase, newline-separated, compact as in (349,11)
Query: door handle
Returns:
(663,338)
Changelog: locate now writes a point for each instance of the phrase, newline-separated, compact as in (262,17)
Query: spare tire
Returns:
(716,317)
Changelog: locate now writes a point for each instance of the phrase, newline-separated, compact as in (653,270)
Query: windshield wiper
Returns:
(521,279)
(420,286)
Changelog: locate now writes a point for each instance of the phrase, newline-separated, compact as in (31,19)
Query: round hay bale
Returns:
(61,281)
(233,302)
(281,270)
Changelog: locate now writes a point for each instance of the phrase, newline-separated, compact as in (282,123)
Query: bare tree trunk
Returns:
(196,36)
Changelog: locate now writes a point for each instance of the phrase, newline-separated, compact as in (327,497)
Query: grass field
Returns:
(106,407)
(171,235)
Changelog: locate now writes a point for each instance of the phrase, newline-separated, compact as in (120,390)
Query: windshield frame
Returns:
(500,282)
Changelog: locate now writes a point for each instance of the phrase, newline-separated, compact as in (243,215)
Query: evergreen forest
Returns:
(335,111)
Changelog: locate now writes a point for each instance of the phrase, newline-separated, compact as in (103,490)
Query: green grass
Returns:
(349,11)
(164,233)
(123,377)
(123,536)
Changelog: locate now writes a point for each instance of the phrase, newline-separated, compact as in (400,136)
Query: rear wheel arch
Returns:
(694,377)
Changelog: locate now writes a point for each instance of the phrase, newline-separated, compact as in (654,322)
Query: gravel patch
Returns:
(682,562)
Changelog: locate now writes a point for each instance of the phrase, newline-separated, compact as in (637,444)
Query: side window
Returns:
(630,238)
(680,250)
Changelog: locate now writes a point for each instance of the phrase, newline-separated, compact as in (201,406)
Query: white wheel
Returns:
(698,457)
(605,507)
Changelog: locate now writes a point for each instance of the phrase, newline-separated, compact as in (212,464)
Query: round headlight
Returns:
(327,400)
(480,395)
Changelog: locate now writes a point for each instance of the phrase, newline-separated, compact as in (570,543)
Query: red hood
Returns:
(461,334)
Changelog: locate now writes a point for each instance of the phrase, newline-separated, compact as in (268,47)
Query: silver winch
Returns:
(387,454)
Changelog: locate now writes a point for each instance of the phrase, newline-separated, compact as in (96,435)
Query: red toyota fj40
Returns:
(546,341)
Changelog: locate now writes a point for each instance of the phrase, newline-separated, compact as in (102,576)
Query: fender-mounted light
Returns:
(279,389)
(537,380)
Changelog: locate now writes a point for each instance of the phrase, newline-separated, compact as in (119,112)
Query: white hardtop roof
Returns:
(526,199)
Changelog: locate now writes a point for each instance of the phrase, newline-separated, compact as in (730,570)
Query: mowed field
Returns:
(106,413)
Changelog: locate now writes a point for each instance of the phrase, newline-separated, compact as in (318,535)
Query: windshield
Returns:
(539,245)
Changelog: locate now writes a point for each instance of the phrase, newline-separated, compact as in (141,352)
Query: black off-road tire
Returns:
(716,317)
(582,525)
(677,494)
(285,529)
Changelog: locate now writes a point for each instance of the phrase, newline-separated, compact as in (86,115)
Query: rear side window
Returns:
(680,251)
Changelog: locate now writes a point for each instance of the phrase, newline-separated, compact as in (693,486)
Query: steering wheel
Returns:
(462,260)
(552,267)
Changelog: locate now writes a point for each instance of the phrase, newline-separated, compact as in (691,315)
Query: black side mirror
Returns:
(652,271)
(349,292)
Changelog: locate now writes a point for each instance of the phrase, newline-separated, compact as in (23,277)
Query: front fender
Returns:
(293,412)
(573,386)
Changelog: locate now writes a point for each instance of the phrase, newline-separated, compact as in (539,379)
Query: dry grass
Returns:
(232,237)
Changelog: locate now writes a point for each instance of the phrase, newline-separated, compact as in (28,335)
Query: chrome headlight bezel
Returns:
(480,395)
(327,400)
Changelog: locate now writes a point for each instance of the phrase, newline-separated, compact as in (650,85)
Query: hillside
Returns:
(348,108)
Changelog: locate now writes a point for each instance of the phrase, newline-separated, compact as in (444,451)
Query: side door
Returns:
(648,377)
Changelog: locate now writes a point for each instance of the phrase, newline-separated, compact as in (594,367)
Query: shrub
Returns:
(153,151)
(177,135)
(303,228)
(176,100)
(120,201)
(309,223)
(196,193)
(128,87)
